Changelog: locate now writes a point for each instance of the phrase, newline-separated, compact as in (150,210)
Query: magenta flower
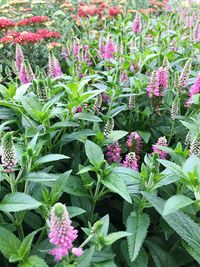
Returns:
(109,49)
(62,233)
(113,153)
(26,74)
(19,57)
(105,97)
(54,67)
(194,89)
(123,76)
(131,161)
(79,109)
(162,76)
(101,49)
(76,49)
(137,24)
(153,86)
(196,33)
(134,142)
(162,141)
(23,76)
(184,76)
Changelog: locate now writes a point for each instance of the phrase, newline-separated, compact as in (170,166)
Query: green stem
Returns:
(95,197)
(41,236)
(171,132)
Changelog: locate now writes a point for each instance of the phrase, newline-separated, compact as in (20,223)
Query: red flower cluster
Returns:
(5,23)
(46,34)
(88,10)
(32,20)
(114,11)
(28,37)
(97,8)
(9,37)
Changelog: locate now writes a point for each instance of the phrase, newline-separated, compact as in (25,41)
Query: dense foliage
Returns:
(100,138)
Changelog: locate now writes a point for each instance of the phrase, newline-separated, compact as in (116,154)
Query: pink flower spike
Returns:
(194,89)
(153,86)
(62,233)
(19,57)
(162,76)
(162,141)
(134,142)
(137,24)
(109,49)
(131,161)
(113,153)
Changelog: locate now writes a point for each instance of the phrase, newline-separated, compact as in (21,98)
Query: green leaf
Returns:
(116,135)
(111,238)
(137,224)
(145,136)
(160,257)
(105,264)
(9,243)
(185,227)
(75,211)
(26,245)
(33,261)
(58,186)
(17,202)
(94,153)
(175,203)
(39,177)
(192,252)
(114,182)
(50,158)
(86,258)
(141,260)
(79,135)
(176,169)
(87,117)
(75,186)
(64,124)
(21,91)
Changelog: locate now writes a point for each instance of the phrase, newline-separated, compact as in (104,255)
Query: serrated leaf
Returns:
(185,227)
(33,261)
(137,224)
(175,203)
(20,91)
(105,264)
(50,158)
(86,258)
(39,177)
(114,182)
(87,117)
(9,243)
(160,257)
(111,238)
(75,186)
(145,136)
(58,186)
(141,260)
(94,153)
(17,202)
(176,169)
(75,211)
(26,245)
(116,135)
